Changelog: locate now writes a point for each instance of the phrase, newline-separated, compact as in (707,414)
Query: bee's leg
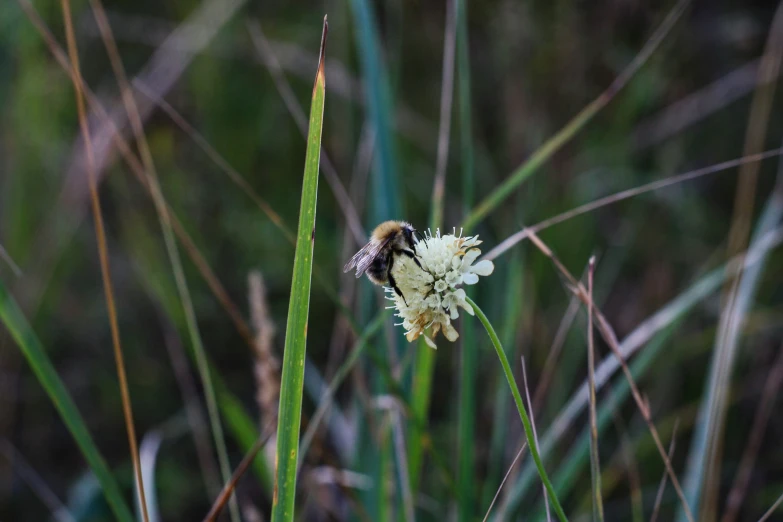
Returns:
(392,282)
(412,256)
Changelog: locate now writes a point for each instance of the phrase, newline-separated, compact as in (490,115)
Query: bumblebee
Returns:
(376,258)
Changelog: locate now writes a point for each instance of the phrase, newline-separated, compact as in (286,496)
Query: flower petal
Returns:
(483,268)
(470,257)
(469,278)
(450,333)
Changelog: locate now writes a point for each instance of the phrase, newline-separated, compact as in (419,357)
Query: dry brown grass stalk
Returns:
(100,235)
(607,332)
(266,367)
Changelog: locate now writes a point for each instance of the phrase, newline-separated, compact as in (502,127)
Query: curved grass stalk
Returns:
(643,335)
(529,435)
(553,144)
(292,376)
(16,323)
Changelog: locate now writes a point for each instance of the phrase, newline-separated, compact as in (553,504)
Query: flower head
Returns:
(431,284)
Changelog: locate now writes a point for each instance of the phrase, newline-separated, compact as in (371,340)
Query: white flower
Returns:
(431,293)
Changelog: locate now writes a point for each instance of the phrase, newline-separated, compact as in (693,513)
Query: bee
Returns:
(376,258)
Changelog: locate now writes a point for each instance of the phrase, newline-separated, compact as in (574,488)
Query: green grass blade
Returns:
(673,311)
(384,183)
(553,144)
(531,441)
(466,421)
(13,318)
(421,388)
(384,204)
(571,470)
(292,379)
(244,430)
(725,351)
(466,481)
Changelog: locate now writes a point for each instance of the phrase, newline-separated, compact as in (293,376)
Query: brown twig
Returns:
(216,158)
(137,126)
(137,169)
(444,127)
(662,485)
(732,311)
(611,339)
(228,489)
(100,235)
(503,482)
(267,366)
(550,364)
(742,478)
(595,467)
(523,234)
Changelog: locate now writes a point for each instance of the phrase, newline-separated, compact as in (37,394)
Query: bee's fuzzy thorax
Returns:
(389,227)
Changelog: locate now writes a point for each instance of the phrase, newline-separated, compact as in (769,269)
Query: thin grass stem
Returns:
(103,255)
(535,432)
(595,466)
(520,407)
(137,126)
(611,339)
(553,144)
(772,509)
(503,482)
(662,484)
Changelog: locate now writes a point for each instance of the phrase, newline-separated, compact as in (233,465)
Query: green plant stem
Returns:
(531,441)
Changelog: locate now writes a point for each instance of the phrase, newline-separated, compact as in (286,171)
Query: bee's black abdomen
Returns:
(377,271)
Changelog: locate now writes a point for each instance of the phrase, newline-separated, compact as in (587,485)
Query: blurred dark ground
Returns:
(534,65)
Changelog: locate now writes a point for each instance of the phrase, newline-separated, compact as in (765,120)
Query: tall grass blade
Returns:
(466,476)
(529,435)
(384,203)
(421,388)
(16,323)
(292,378)
(719,373)
(384,184)
(669,314)
(553,144)
(704,456)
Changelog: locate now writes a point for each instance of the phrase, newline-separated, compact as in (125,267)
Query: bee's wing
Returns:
(364,257)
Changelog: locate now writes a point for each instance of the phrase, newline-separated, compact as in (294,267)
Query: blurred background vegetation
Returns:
(533,65)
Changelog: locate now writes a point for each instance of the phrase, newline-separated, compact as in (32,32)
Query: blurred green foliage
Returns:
(533,66)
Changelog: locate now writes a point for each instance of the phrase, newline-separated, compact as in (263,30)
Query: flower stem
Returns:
(521,407)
